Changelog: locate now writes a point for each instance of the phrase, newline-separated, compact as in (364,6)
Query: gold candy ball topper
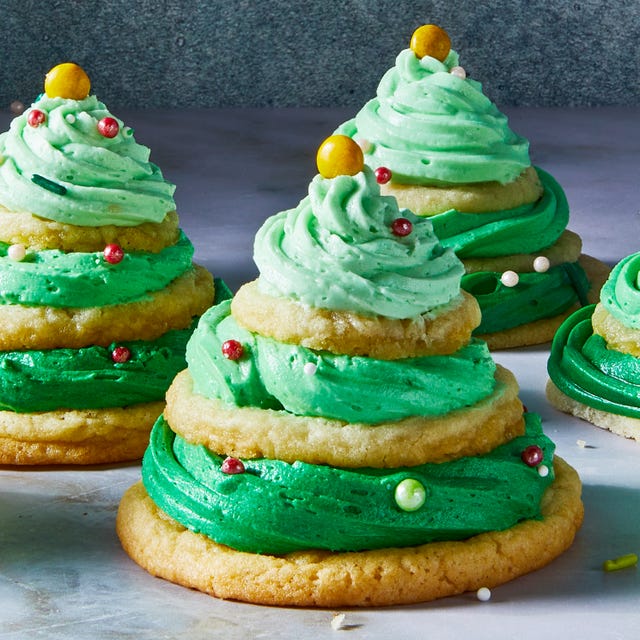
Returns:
(430,40)
(339,155)
(67,80)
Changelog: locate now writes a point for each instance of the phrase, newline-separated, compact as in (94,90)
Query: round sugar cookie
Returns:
(541,331)
(620,425)
(248,432)
(91,436)
(21,227)
(617,336)
(567,248)
(364,578)
(174,307)
(439,333)
(467,198)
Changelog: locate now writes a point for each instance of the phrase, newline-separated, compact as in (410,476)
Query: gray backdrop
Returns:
(317,53)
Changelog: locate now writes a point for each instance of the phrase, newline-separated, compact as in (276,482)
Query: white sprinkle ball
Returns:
(459,72)
(16,252)
(365,145)
(310,369)
(543,471)
(337,622)
(509,278)
(581,443)
(483,594)
(541,264)
(70,118)
(17,107)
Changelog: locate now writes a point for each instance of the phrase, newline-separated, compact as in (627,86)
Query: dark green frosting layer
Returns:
(88,378)
(585,369)
(536,296)
(276,507)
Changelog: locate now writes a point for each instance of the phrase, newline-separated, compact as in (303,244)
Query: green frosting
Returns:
(272,375)
(276,507)
(525,229)
(431,127)
(536,296)
(336,250)
(65,170)
(88,378)
(57,279)
(620,295)
(583,367)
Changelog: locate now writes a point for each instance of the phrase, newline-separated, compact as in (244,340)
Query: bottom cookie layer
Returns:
(93,436)
(366,578)
(620,425)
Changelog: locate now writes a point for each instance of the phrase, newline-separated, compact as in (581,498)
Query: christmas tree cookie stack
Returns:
(594,365)
(98,291)
(444,150)
(338,438)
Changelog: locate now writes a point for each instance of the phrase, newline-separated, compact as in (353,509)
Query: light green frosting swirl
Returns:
(336,250)
(431,127)
(58,279)
(106,180)
(272,375)
(620,295)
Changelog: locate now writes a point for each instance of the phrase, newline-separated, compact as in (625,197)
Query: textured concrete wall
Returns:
(166,53)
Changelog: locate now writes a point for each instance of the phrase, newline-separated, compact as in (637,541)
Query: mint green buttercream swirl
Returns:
(620,295)
(58,279)
(276,507)
(93,180)
(431,127)
(525,229)
(536,296)
(88,378)
(336,250)
(272,375)
(583,367)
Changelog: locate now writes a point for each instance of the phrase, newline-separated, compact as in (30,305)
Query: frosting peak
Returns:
(58,165)
(337,250)
(431,126)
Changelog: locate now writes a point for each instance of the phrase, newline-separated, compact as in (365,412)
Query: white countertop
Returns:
(63,574)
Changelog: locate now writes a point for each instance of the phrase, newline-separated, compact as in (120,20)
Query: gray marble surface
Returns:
(216,53)
(63,574)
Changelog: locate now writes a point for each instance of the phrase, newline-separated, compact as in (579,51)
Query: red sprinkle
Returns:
(401,227)
(36,117)
(532,456)
(108,127)
(383,175)
(232,349)
(121,354)
(113,253)
(232,466)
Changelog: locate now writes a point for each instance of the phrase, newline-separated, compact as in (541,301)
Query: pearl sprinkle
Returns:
(458,72)
(483,594)
(541,264)
(509,278)
(310,369)
(16,252)
(365,145)
(543,471)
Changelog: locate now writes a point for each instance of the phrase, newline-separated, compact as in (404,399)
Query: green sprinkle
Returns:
(49,185)
(623,562)
(410,494)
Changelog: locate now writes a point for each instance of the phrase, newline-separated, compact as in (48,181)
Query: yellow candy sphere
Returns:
(338,156)
(430,40)
(67,80)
